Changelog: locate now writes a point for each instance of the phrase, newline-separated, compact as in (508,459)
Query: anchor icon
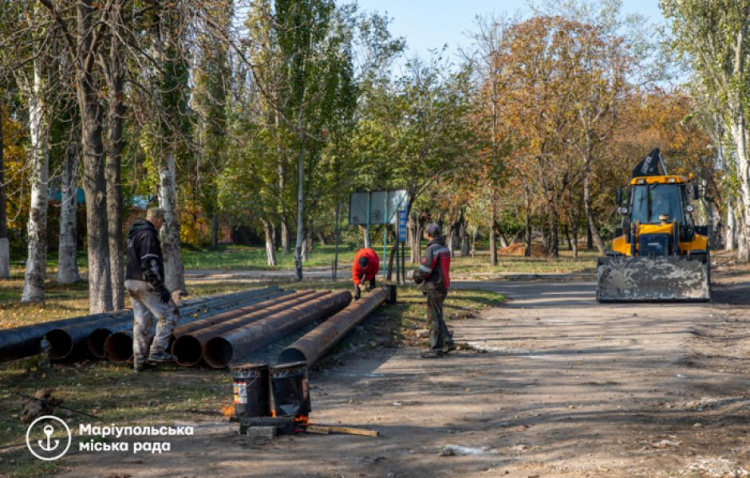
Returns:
(48,430)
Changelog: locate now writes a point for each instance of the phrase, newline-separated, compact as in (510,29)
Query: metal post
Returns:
(403,262)
(369,210)
(385,236)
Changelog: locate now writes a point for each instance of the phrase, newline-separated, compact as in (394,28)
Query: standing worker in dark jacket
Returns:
(364,269)
(151,298)
(434,275)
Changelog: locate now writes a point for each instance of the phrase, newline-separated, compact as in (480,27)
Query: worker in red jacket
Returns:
(365,268)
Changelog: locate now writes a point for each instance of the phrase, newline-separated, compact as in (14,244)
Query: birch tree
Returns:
(39,122)
(714,38)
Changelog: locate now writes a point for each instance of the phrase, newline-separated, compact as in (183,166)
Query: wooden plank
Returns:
(317,429)
(353,431)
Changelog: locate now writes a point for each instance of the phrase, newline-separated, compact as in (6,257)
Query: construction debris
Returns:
(326,429)
(41,404)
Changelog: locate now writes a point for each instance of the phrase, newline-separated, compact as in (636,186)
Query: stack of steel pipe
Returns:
(97,338)
(222,350)
(118,346)
(321,339)
(24,341)
(189,341)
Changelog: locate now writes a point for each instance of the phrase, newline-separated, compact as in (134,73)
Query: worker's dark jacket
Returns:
(145,260)
(435,267)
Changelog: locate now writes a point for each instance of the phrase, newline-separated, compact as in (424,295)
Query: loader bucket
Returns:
(653,279)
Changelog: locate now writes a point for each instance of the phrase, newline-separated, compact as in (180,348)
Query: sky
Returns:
(429,24)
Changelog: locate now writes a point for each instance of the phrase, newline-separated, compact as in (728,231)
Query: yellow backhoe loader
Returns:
(659,254)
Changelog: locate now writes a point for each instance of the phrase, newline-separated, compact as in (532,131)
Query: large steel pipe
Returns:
(20,342)
(96,339)
(188,348)
(322,338)
(220,351)
(233,314)
(119,345)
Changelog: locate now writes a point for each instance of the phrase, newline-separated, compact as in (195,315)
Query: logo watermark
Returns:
(49,448)
(58,438)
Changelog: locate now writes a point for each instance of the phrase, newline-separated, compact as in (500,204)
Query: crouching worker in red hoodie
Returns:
(365,268)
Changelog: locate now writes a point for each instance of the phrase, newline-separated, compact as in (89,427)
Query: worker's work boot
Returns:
(432,354)
(161,358)
(449,348)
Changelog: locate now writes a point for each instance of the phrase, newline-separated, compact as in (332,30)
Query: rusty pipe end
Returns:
(96,341)
(290,355)
(218,352)
(119,347)
(61,344)
(187,350)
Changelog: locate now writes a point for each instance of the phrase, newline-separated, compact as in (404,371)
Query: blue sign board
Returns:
(402,217)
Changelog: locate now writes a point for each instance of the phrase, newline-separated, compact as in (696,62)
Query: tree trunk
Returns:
(36,264)
(285,236)
(554,239)
(590,218)
(566,236)
(730,235)
(113,172)
(215,232)
(322,239)
(300,199)
(67,268)
(94,183)
(464,240)
(268,228)
(527,228)
(503,239)
(415,239)
(739,132)
(336,242)
(4,244)
(493,235)
(174,271)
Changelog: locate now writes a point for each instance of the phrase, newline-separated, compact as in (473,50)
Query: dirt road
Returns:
(552,384)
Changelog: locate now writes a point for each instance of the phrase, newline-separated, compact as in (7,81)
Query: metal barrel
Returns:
(221,351)
(96,339)
(653,279)
(19,342)
(290,390)
(250,385)
(321,339)
(188,348)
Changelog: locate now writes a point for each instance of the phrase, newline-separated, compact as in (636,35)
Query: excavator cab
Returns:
(659,254)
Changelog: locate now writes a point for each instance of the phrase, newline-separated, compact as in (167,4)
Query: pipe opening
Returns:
(291,355)
(96,341)
(218,352)
(61,344)
(119,347)
(187,350)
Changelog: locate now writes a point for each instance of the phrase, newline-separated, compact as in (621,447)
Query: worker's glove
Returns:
(368,287)
(165,295)
(357,292)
